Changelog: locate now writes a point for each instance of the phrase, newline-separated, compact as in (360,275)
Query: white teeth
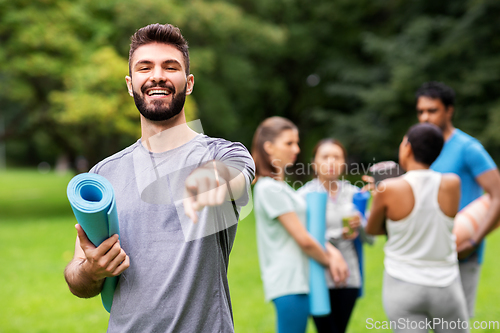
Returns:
(157,91)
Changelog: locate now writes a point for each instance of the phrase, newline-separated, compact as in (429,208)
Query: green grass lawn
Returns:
(36,242)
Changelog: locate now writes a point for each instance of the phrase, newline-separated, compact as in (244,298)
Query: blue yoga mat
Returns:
(93,202)
(319,298)
(360,200)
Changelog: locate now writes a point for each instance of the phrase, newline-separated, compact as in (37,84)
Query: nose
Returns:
(423,117)
(158,74)
(297,149)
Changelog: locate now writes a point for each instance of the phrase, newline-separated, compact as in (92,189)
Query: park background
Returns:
(340,68)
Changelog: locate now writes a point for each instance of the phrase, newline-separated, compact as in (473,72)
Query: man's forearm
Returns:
(491,219)
(490,182)
(80,283)
(232,176)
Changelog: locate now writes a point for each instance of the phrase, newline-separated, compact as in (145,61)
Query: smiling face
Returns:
(158,81)
(329,161)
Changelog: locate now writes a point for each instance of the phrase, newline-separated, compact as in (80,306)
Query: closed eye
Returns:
(171,65)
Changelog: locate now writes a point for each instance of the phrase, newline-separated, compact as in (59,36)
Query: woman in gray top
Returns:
(329,162)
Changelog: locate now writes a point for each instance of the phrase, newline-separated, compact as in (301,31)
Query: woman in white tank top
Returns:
(422,289)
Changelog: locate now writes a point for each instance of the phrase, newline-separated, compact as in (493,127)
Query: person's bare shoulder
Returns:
(391,188)
(392,184)
(398,198)
(450,182)
(449,194)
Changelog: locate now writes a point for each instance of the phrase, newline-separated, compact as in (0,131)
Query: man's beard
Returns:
(157,111)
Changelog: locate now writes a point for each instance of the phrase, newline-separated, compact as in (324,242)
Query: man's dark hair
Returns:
(437,90)
(159,33)
(426,142)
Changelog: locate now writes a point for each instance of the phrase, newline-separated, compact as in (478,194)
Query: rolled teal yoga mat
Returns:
(93,202)
(319,299)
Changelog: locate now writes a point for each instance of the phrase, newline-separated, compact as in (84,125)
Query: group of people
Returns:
(446,170)
(179,194)
(283,241)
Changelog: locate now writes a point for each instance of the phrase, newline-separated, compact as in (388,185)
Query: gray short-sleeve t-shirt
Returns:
(177,279)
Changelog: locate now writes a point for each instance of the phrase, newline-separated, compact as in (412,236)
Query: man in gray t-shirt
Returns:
(178,196)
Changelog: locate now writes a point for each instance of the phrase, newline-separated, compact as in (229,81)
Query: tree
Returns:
(343,68)
(453,42)
(63,87)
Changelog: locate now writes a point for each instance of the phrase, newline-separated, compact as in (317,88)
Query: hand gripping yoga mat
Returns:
(319,299)
(93,202)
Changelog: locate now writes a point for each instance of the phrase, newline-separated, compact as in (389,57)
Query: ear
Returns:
(269,147)
(128,80)
(404,147)
(449,112)
(408,150)
(189,84)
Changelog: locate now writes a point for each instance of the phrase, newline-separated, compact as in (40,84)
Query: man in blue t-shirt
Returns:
(465,156)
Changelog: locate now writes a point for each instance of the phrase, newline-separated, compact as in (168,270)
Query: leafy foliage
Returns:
(342,68)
